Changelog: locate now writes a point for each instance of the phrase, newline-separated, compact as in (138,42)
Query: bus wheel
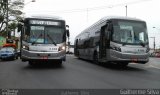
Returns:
(123,64)
(59,63)
(31,63)
(95,58)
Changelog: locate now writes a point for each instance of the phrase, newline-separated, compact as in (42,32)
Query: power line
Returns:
(97,8)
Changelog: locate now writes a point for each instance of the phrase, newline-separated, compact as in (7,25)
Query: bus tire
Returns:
(95,58)
(31,63)
(123,64)
(59,63)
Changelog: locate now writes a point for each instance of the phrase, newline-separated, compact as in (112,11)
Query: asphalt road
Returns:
(79,74)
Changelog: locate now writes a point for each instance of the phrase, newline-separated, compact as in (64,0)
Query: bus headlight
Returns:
(147,50)
(116,48)
(61,48)
(25,47)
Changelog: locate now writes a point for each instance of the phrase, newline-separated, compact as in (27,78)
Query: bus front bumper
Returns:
(128,57)
(42,56)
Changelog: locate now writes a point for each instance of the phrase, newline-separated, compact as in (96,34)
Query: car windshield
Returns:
(46,34)
(7,50)
(130,32)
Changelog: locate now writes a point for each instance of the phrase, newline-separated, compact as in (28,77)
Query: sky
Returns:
(80,14)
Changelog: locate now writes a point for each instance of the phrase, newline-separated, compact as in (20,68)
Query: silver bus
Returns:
(43,39)
(118,40)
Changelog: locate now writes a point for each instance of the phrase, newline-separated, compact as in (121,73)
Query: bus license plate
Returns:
(134,59)
(44,57)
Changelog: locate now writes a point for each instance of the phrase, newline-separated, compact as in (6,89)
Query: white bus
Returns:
(114,39)
(43,39)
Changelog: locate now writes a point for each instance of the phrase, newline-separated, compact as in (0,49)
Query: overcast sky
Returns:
(79,14)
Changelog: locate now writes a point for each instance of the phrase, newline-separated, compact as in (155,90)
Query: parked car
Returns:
(155,54)
(8,53)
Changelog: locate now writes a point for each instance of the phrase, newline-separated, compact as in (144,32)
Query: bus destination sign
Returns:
(40,22)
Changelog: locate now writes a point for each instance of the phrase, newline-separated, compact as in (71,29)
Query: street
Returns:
(79,74)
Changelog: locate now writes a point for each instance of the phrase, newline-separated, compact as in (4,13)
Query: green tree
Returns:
(14,14)
(2,14)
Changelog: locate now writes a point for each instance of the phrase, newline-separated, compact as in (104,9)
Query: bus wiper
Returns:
(51,39)
(123,44)
(142,44)
(36,39)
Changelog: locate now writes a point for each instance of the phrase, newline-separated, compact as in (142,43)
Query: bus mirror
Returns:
(67,26)
(109,27)
(67,31)
(19,27)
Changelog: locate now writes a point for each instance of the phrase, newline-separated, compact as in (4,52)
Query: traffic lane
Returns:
(155,62)
(17,74)
(24,76)
(76,73)
(133,76)
(68,74)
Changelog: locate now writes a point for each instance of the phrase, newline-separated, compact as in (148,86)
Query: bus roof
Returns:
(44,17)
(120,17)
(109,18)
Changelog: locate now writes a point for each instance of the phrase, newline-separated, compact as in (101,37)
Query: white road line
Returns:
(148,66)
(154,67)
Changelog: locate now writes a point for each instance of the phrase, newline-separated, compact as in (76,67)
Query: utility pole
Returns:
(126,10)
(154,37)
(154,44)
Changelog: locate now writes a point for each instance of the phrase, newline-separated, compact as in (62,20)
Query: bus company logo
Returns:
(140,50)
(52,48)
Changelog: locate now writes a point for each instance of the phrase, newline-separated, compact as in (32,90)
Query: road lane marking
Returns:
(148,66)
(154,67)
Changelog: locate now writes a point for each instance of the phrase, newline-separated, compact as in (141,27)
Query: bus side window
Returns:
(86,43)
(96,41)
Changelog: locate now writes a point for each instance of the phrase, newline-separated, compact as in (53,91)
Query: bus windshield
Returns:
(129,32)
(46,35)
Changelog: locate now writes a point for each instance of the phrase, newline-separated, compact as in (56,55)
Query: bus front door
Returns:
(102,46)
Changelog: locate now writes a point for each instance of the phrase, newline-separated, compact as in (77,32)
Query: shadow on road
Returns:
(121,68)
(44,66)
(114,66)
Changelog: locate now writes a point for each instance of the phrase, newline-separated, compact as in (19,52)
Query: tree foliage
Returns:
(14,14)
